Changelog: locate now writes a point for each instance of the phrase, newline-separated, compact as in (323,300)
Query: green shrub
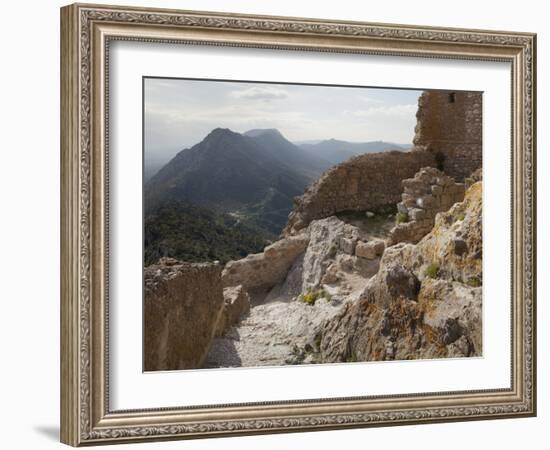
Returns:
(311,296)
(473,282)
(432,270)
(401,217)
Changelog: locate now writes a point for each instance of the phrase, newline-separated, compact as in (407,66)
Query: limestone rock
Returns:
(264,270)
(424,302)
(325,243)
(453,310)
(182,306)
(371,249)
(236,304)
(348,245)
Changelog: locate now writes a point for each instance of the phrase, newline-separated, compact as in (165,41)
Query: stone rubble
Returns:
(424,302)
(425,195)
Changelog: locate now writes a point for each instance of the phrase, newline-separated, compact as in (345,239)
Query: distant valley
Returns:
(234,191)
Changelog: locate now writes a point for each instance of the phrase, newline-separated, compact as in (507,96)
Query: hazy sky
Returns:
(180,113)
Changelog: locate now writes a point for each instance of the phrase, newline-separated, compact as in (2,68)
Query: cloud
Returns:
(266,93)
(387,111)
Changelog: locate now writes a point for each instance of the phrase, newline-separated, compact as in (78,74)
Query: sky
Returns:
(179,113)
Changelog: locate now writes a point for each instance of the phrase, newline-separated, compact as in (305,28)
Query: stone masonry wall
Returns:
(429,192)
(264,270)
(449,124)
(365,182)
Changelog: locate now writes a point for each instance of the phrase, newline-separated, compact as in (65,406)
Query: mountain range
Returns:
(335,151)
(243,185)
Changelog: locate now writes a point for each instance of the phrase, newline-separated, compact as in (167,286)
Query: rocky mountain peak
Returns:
(219,134)
(273,132)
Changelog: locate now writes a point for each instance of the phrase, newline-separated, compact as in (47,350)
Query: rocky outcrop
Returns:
(425,300)
(264,270)
(365,182)
(236,304)
(370,249)
(429,192)
(284,322)
(328,237)
(182,307)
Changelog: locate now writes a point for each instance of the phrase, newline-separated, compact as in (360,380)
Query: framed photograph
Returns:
(276,224)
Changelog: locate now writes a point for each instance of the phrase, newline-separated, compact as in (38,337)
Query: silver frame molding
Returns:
(86,31)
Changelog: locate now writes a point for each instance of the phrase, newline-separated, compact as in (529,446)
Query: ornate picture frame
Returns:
(87,32)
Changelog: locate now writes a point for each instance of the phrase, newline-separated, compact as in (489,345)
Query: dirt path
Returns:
(281,331)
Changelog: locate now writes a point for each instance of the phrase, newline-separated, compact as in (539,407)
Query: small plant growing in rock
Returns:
(401,217)
(459,216)
(432,270)
(311,296)
(473,282)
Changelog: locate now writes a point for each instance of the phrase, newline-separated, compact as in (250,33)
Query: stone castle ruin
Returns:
(372,294)
(447,137)
(449,125)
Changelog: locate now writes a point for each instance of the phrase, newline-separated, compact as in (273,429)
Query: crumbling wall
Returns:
(182,306)
(449,124)
(264,270)
(448,136)
(365,182)
(429,192)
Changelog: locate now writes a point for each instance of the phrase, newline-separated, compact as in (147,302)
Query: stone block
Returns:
(371,249)
(444,180)
(365,250)
(417,214)
(379,246)
(347,245)
(402,208)
(425,202)
(446,199)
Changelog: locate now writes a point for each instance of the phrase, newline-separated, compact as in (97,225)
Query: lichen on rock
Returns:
(403,313)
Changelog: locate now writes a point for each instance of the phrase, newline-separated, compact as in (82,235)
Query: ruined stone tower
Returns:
(449,125)
(448,137)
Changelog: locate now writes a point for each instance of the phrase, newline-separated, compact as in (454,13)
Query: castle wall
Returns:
(448,136)
(365,182)
(449,124)
(428,193)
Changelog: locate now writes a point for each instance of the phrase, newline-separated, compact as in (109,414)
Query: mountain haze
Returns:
(231,193)
(272,141)
(336,151)
(191,233)
(247,176)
